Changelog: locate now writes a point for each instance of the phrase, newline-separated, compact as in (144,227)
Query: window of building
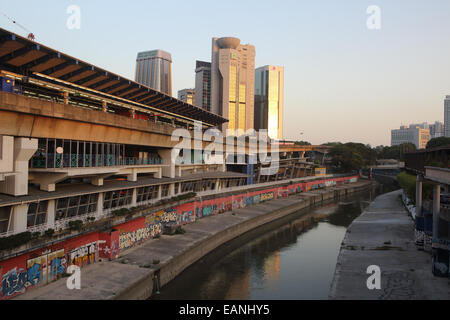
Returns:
(5,213)
(187,186)
(76,206)
(147,193)
(37,213)
(165,190)
(118,198)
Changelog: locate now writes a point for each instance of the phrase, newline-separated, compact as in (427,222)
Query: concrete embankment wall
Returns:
(143,288)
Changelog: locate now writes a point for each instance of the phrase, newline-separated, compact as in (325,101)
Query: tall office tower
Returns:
(187,95)
(203,85)
(436,129)
(269,87)
(447,116)
(154,70)
(232,82)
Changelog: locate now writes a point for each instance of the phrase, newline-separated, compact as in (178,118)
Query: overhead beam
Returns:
(59,67)
(76,72)
(88,78)
(19,52)
(41,60)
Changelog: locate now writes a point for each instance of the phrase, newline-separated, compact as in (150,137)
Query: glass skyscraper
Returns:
(269,87)
(203,85)
(232,83)
(154,70)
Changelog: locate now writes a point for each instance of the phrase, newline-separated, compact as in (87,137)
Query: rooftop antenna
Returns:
(30,34)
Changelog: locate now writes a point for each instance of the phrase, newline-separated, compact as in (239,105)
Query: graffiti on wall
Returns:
(83,255)
(36,270)
(129,239)
(14,282)
(39,270)
(57,265)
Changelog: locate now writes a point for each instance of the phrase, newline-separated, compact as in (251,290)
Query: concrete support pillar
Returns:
(132,113)
(218,186)
(6,154)
(104,106)
(173,122)
(436,210)
(19,218)
(66,97)
(51,209)
(159,192)
(132,176)
(168,170)
(97,181)
(99,212)
(419,196)
(134,197)
(158,174)
(156,119)
(17,185)
(171,189)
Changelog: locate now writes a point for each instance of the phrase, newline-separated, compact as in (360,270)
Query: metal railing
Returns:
(89,161)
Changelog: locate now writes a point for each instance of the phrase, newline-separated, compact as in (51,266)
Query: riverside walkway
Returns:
(383,235)
(135,274)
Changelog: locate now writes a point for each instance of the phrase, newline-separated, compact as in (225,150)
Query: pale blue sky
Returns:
(343,82)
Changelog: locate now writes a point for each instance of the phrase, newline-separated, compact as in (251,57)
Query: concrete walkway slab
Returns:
(384,236)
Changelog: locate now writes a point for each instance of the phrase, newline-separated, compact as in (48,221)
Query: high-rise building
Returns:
(436,130)
(412,134)
(154,70)
(232,82)
(187,95)
(447,116)
(203,85)
(269,87)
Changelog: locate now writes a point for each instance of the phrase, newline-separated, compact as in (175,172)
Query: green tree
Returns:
(346,159)
(302,143)
(396,152)
(438,142)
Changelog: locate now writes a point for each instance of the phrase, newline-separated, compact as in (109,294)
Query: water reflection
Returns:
(293,258)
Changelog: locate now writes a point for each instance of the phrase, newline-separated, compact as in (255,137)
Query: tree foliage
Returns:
(302,143)
(438,142)
(395,152)
(351,156)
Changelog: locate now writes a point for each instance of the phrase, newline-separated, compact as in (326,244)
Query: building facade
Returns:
(412,134)
(154,70)
(203,85)
(232,83)
(269,89)
(187,95)
(447,116)
(436,130)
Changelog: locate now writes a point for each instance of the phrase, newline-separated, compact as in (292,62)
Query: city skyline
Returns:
(340,79)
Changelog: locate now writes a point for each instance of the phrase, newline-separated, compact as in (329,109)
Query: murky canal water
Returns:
(292,258)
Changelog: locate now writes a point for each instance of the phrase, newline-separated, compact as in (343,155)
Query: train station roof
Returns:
(26,57)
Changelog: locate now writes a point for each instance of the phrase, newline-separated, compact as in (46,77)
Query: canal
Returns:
(291,258)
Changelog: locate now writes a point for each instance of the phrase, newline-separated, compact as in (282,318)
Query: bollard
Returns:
(428,230)
(440,262)
(419,232)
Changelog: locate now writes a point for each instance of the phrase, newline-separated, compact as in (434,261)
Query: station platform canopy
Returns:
(29,58)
